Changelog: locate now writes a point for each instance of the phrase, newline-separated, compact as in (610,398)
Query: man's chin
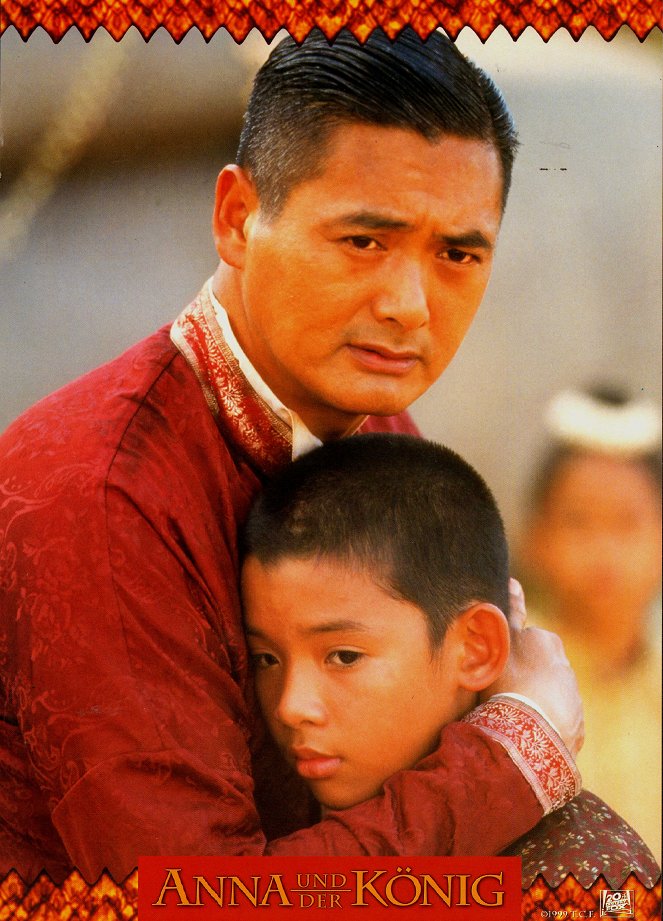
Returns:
(381,404)
(341,411)
(383,413)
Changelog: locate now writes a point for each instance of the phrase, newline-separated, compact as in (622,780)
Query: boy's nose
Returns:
(300,700)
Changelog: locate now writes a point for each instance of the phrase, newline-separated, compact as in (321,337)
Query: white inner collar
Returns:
(303,440)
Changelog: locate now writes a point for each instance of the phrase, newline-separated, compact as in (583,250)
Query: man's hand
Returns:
(538,668)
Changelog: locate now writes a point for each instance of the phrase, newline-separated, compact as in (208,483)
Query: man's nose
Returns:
(403,297)
(301,699)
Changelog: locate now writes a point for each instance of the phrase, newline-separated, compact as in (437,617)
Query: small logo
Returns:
(617,903)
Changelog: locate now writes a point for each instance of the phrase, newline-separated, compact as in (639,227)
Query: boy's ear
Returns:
(483,637)
(235,206)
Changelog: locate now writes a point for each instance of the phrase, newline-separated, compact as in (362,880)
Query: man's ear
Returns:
(235,206)
(483,637)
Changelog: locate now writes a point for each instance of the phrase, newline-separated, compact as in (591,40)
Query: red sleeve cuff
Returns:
(534,747)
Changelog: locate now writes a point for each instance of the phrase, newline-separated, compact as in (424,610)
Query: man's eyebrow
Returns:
(474,239)
(369,220)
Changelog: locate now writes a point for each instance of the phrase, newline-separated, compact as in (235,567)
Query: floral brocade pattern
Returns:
(587,836)
(240,413)
(533,746)
(360,17)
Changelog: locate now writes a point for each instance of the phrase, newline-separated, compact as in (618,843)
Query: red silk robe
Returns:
(127,719)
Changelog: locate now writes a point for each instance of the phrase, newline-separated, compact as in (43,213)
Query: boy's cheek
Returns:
(267,695)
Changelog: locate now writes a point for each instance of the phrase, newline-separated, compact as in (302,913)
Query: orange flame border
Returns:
(44,900)
(239,17)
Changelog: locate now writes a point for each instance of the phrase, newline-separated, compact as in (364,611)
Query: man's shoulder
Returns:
(137,427)
(83,422)
(133,368)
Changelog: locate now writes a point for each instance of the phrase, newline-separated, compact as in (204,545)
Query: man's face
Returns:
(356,296)
(347,680)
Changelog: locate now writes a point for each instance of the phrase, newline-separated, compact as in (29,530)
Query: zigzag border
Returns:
(44,900)
(361,17)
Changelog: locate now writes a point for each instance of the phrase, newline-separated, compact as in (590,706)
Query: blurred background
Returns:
(110,155)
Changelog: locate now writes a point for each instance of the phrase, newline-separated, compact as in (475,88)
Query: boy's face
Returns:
(348,682)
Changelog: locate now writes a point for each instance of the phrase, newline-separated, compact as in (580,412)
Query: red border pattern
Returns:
(572,898)
(246,418)
(44,900)
(106,899)
(361,17)
(533,745)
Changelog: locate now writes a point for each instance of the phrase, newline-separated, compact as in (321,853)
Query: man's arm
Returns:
(538,669)
(462,800)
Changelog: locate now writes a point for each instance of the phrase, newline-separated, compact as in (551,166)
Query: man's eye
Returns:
(459,256)
(344,657)
(362,242)
(263,660)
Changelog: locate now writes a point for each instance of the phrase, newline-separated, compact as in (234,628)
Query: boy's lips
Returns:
(314,765)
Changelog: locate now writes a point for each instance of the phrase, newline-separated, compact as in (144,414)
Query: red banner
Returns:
(356,888)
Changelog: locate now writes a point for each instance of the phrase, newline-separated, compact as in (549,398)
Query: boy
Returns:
(374,581)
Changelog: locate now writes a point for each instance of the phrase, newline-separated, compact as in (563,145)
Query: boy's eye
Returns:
(344,657)
(264,660)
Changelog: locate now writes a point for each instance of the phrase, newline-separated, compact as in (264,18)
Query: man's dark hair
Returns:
(412,514)
(303,92)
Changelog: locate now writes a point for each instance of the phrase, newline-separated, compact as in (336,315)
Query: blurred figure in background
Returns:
(591,555)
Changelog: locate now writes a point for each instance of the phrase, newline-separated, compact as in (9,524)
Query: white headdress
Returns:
(586,421)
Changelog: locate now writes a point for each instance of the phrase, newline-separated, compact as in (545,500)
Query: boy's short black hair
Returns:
(304,92)
(411,513)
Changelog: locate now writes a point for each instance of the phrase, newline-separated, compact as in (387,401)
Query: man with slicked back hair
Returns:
(355,237)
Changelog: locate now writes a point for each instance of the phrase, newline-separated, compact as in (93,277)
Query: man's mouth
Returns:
(314,765)
(382,359)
